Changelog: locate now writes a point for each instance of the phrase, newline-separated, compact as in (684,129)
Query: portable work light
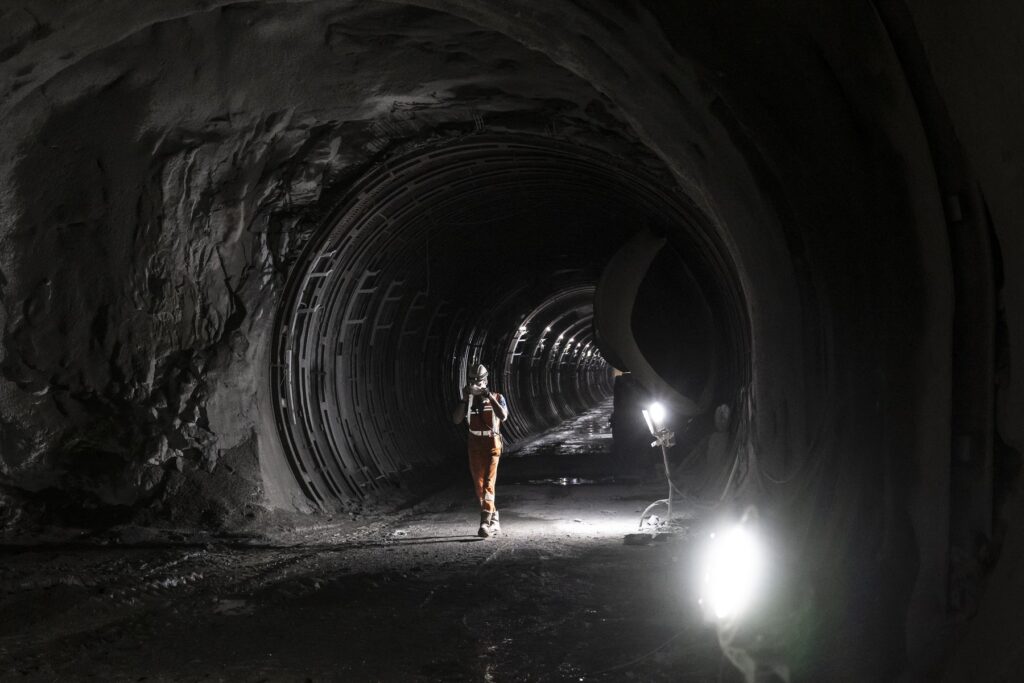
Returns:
(732,570)
(654,416)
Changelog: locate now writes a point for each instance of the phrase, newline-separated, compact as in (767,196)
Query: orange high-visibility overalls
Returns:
(484,449)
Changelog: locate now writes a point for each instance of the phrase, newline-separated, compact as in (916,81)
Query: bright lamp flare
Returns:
(733,572)
(657,413)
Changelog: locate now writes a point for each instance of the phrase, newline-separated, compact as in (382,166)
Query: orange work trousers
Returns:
(484,453)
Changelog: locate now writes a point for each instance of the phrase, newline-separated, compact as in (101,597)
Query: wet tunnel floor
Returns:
(407,597)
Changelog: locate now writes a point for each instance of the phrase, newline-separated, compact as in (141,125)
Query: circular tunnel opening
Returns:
(494,250)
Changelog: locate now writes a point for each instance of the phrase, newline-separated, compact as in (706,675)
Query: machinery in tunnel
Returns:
(251,248)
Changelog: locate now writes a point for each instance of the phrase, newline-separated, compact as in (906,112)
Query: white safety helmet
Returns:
(478,376)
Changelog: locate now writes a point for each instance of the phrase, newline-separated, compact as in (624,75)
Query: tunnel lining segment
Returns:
(359,317)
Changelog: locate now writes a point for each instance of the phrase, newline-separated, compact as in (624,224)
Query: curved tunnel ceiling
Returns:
(486,249)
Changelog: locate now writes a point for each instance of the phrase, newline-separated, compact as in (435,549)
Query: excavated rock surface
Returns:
(155,193)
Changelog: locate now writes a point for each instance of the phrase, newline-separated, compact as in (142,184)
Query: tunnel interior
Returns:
(485,250)
(250,249)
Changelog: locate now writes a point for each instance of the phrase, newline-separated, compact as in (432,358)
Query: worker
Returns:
(485,410)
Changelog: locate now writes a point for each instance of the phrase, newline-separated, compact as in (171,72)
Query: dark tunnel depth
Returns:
(397,292)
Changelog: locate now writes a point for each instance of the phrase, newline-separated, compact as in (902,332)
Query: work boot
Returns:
(485,525)
(494,526)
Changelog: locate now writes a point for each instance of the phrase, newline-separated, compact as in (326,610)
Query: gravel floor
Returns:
(408,596)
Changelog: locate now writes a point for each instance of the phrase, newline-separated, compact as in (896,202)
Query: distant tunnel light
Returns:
(732,572)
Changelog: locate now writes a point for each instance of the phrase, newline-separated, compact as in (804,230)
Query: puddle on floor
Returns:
(572,481)
(561,481)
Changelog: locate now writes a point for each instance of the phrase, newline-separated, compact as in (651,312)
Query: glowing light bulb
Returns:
(733,572)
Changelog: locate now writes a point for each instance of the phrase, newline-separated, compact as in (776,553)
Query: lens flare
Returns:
(733,571)
(657,412)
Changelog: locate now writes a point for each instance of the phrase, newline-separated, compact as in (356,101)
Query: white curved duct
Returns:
(613,311)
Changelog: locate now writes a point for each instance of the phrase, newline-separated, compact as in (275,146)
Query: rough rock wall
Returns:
(148,270)
(154,195)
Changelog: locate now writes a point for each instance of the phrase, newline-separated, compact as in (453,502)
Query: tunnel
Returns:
(251,251)
(486,250)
